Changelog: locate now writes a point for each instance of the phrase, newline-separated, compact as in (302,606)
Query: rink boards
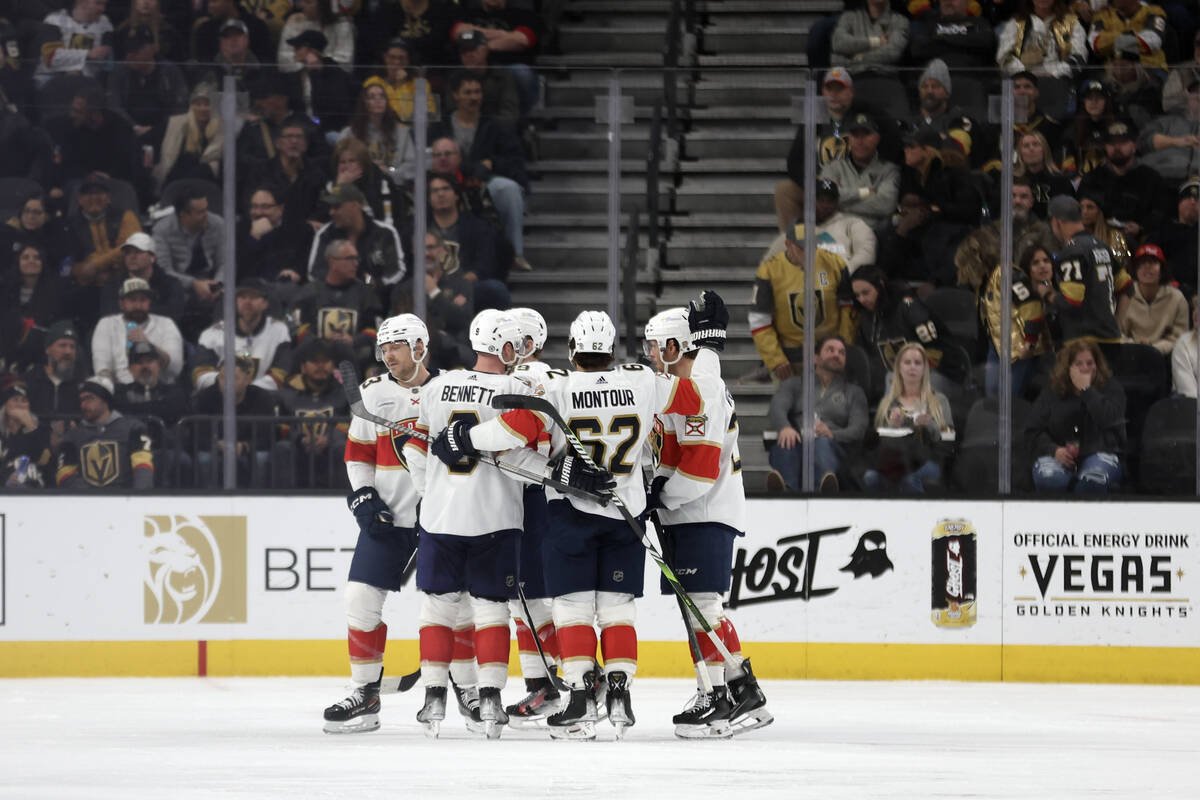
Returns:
(830,589)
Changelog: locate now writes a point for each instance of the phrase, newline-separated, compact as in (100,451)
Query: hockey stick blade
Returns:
(401,684)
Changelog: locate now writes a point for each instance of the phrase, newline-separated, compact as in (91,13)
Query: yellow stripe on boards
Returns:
(772,660)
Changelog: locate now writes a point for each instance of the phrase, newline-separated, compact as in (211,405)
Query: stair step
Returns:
(774,113)
(753,59)
(728,194)
(649,58)
(734,166)
(686,222)
(629,38)
(560,145)
(704,275)
(629,166)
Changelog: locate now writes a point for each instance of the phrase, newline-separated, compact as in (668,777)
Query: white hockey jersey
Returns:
(69,53)
(375,455)
(612,414)
(471,499)
(268,347)
(699,454)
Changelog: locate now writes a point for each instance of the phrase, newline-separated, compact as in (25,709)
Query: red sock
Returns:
(367,645)
(729,636)
(549,636)
(577,642)
(619,643)
(437,644)
(525,643)
(491,646)
(464,644)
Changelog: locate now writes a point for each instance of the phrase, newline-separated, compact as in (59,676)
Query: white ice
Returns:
(262,738)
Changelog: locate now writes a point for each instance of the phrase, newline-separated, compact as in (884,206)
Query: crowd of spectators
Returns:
(112,265)
(1105,158)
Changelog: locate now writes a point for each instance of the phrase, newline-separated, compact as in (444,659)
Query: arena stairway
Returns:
(740,86)
(745,101)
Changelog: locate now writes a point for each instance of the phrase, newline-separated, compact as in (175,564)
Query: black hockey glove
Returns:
(654,495)
(454,442)
(373,515)
(708,318)
(579,474)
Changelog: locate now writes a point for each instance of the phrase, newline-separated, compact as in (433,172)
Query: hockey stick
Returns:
(702,676)
(543,406)
(401,684)
(555,681)
(350,385)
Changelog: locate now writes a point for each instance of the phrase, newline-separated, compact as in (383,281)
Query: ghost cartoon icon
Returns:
(870,557)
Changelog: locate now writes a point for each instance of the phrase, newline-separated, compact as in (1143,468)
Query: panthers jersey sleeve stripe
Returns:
(700,461)
(358,450)
(669,455)
(527,425)
(685,398)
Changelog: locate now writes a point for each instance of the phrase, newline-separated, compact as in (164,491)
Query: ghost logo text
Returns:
(786,570)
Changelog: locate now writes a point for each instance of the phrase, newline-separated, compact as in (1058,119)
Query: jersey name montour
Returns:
(603,398)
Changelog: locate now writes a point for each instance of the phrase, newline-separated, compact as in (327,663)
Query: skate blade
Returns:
(492,729)
(432,728)
(753,720)
(364,724)
(712,731)
(621,728)
(579,731)
(518,723)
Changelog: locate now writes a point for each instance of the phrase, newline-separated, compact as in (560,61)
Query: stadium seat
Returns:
(1167,453)
(976,464)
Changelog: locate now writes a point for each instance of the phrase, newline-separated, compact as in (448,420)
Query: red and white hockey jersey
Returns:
(375,456)
(473,498)
(611,413)
(699,454)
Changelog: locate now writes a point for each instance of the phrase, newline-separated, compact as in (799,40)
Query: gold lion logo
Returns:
(195,569)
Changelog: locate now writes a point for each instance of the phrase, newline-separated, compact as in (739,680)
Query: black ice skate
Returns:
(531,712)
(618,704)
(491,712)
(358,713)
(468,706)
(577,719)
(708,717)
(434,710)
(749,702)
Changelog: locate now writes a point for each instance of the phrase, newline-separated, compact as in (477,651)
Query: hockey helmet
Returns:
(667,325)
(407,328)
(592,332)
(533,325)
(492,329)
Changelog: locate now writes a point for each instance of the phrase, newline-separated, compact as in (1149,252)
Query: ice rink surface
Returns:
(262,738)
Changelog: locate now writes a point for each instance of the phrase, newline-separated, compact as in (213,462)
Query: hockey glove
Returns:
(579,474)
(708,318)
(654,495)
(454,442)
(373,515)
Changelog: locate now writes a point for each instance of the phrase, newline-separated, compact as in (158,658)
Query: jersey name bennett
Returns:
(467,394)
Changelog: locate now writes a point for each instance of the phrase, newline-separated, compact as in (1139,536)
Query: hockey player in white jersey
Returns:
(700,502)
(595,563)
(542,695)
(384,502)
(470,522)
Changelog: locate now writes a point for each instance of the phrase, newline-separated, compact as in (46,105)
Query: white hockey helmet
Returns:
(592,332)
(407,328)
(492,329)
(667,325)
(533,326)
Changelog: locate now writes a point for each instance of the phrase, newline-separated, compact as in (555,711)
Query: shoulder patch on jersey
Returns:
(695,426)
